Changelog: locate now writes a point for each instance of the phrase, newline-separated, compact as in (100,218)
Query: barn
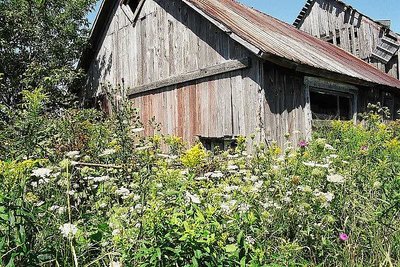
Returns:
(338,23)
(212,70)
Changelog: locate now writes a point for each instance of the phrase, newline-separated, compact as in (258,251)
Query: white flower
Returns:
(231,188)
(275,167)
(233,167)
(40,203)
(136,198)
(258,185)
(244,207)
(68,230)
(137,130)
(226,208)
(41,172)
(107,152)
(34,184)
(54,208)
(115,264)
(103,205)
(314,164)
(101,179)
(329,147)
(287,199)
(122,191)
(43,181)
(72,154)
(143,148)
(193,198)
(217,174)
(250,240)
(328,196)
(116,232)
(335,178)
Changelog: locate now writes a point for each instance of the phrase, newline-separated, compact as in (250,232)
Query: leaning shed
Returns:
(338,23)
(216,69)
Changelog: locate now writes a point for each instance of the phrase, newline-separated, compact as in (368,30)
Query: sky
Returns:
(287,10)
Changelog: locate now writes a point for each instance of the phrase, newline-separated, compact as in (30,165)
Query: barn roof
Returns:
(283,44)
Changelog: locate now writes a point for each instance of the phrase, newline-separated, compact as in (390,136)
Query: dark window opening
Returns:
(326,106)
(337,41)
(218,144)
(132,4)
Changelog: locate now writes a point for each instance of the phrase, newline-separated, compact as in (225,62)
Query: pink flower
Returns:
(364,148)
(303,144)
(343,237)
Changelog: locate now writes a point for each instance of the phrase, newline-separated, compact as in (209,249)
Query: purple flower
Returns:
(364,148)
(343,237)
(303,144)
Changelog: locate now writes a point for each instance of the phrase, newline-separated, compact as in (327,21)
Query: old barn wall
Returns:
(348,29)
(169,39)
(285,104)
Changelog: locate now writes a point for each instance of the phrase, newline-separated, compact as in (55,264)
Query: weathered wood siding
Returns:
(171,39)
(285,104)
(357,34)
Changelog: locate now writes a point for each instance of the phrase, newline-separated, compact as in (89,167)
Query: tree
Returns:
(40,44)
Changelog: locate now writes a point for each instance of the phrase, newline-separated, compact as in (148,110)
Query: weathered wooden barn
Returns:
(216,69)
(338,23)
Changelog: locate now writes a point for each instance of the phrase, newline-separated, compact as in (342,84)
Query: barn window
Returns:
(330,106)
(215,144)
(132,4)
(330,100)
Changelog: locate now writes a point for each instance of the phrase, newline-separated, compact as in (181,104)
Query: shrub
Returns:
(90,198)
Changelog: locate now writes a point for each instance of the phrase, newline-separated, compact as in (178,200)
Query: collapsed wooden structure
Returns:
(216,69)
(340,24)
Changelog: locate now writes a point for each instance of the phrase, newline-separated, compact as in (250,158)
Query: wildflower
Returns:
(250,240)
(328,197)
(192,198)
(258,185)
(116,232)
(275,167)
(73,154)
(303,144)
(103,205)
(137,130)
(43,181)
(101,179)
(68,230)
(377,185)
(41,172)
(107,152)
(335,178)
(364,149)
(244,207)
(233,167)
(143,148)
(54,208)
(115,264)
(329,147)
(217,174)
(231,188)
(343,237)
(314,164)
(122,191)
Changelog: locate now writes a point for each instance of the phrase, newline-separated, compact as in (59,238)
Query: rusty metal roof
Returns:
(280,41)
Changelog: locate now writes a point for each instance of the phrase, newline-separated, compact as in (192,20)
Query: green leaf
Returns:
(231,248)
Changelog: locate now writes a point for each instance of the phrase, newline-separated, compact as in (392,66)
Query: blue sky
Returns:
(287,10)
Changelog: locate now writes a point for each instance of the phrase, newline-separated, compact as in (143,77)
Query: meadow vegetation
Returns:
(82,189)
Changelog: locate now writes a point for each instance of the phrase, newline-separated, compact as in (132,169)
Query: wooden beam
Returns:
(225,67)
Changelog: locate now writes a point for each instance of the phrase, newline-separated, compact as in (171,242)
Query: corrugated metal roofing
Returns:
(276,38)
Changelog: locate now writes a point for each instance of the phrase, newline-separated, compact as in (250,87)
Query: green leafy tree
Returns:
(40,44)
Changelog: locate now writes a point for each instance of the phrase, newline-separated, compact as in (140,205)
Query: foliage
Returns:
(40,44)
(99,194)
